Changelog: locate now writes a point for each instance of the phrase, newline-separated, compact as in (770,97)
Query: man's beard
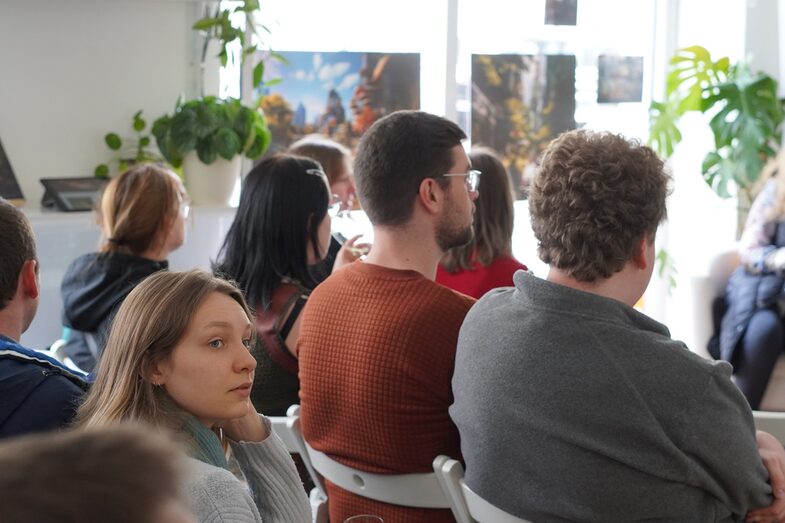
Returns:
(449,235)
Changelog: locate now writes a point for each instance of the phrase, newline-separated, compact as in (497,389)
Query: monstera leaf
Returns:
(746,116)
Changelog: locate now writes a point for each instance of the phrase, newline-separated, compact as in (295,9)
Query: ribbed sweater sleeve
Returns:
(273,480)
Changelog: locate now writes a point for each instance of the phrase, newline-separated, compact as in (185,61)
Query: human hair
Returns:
(282,203)
(774,170)
(596,194)
(330,154)
(17,246)
(493,218)
(121,474)
(135,205)
(149,324)
(395,155)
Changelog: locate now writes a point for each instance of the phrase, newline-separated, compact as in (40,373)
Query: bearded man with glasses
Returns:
(377,341)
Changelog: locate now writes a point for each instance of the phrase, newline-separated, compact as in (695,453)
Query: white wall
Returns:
(73,70)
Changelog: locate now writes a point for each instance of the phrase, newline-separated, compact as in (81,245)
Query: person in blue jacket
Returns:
(37,393)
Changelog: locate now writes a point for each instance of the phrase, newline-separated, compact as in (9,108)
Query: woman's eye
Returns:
(247,343)
(216,343)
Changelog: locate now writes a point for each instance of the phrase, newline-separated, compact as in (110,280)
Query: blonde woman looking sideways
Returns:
(178,358)
(143,213)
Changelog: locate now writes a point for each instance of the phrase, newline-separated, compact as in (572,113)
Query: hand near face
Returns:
(248,428)
(351,251)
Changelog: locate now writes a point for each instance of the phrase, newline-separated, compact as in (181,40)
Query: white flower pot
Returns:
(211,184)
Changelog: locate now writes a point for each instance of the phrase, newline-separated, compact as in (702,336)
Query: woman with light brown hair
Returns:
(178,358)
(486,262)
(142,213)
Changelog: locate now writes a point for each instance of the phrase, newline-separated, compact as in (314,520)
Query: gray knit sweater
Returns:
(575,407)
(276,494)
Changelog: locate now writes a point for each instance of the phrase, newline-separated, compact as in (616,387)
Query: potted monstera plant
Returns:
(208,137)
(746,118)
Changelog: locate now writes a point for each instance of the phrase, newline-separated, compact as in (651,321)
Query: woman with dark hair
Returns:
(486,262)
(280,232)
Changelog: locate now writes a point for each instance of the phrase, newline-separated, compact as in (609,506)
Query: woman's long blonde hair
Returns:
(774,169)
(148,326)
(136,205)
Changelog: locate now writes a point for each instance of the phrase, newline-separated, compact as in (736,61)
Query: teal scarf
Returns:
(206,446)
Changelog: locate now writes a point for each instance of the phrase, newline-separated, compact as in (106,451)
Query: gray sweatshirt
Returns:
(276,494)
(576,407)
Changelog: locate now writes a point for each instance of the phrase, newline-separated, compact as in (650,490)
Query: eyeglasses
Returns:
(334,206)
(472,179)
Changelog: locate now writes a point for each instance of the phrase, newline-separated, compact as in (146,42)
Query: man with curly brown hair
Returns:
(572,405)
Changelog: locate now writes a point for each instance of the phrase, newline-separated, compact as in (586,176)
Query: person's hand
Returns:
(773,457)
(350,251)
(775,260)
(248,428)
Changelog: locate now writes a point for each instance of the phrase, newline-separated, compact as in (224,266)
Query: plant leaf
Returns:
(227,143)
(207,150)
(206,23)
(101,171)
(258,72)
(113,141)
(139,122)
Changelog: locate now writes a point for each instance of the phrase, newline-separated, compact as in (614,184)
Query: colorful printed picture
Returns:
(561,12)
(620,79)
(519,104)
(338,95)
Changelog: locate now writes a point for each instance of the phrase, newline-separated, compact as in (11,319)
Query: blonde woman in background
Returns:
(178,358)
(752,332)
(486,262)
(143,213)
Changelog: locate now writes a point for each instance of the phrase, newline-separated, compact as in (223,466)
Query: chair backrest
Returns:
(720,269)
(409,490)
(467,505)
(771,422)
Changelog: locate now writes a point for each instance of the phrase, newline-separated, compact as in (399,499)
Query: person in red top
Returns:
(486,262)
(377,341)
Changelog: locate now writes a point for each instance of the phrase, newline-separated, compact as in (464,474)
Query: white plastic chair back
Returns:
(771,422)
(467,505)
(409,490)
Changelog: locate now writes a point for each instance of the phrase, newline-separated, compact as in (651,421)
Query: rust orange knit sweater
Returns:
(377,351)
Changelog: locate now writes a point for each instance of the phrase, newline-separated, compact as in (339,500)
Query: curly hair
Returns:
(595,196)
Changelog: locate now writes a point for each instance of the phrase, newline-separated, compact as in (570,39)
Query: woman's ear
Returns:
(155,373)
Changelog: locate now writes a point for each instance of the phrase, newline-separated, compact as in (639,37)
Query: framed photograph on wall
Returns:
(619,79)
(519,103)
(561,12)
(338,95)
(9,186)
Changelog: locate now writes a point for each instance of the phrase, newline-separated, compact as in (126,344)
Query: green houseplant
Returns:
(746,117)
(213,128)
(129,151)
(208,136)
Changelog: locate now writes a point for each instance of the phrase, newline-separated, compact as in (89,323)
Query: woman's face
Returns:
(210,371)
(175,236)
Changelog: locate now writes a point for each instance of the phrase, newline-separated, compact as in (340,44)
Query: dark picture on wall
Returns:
(520,103)
(561,12)
(338,95)
(9,187)
(620,79)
